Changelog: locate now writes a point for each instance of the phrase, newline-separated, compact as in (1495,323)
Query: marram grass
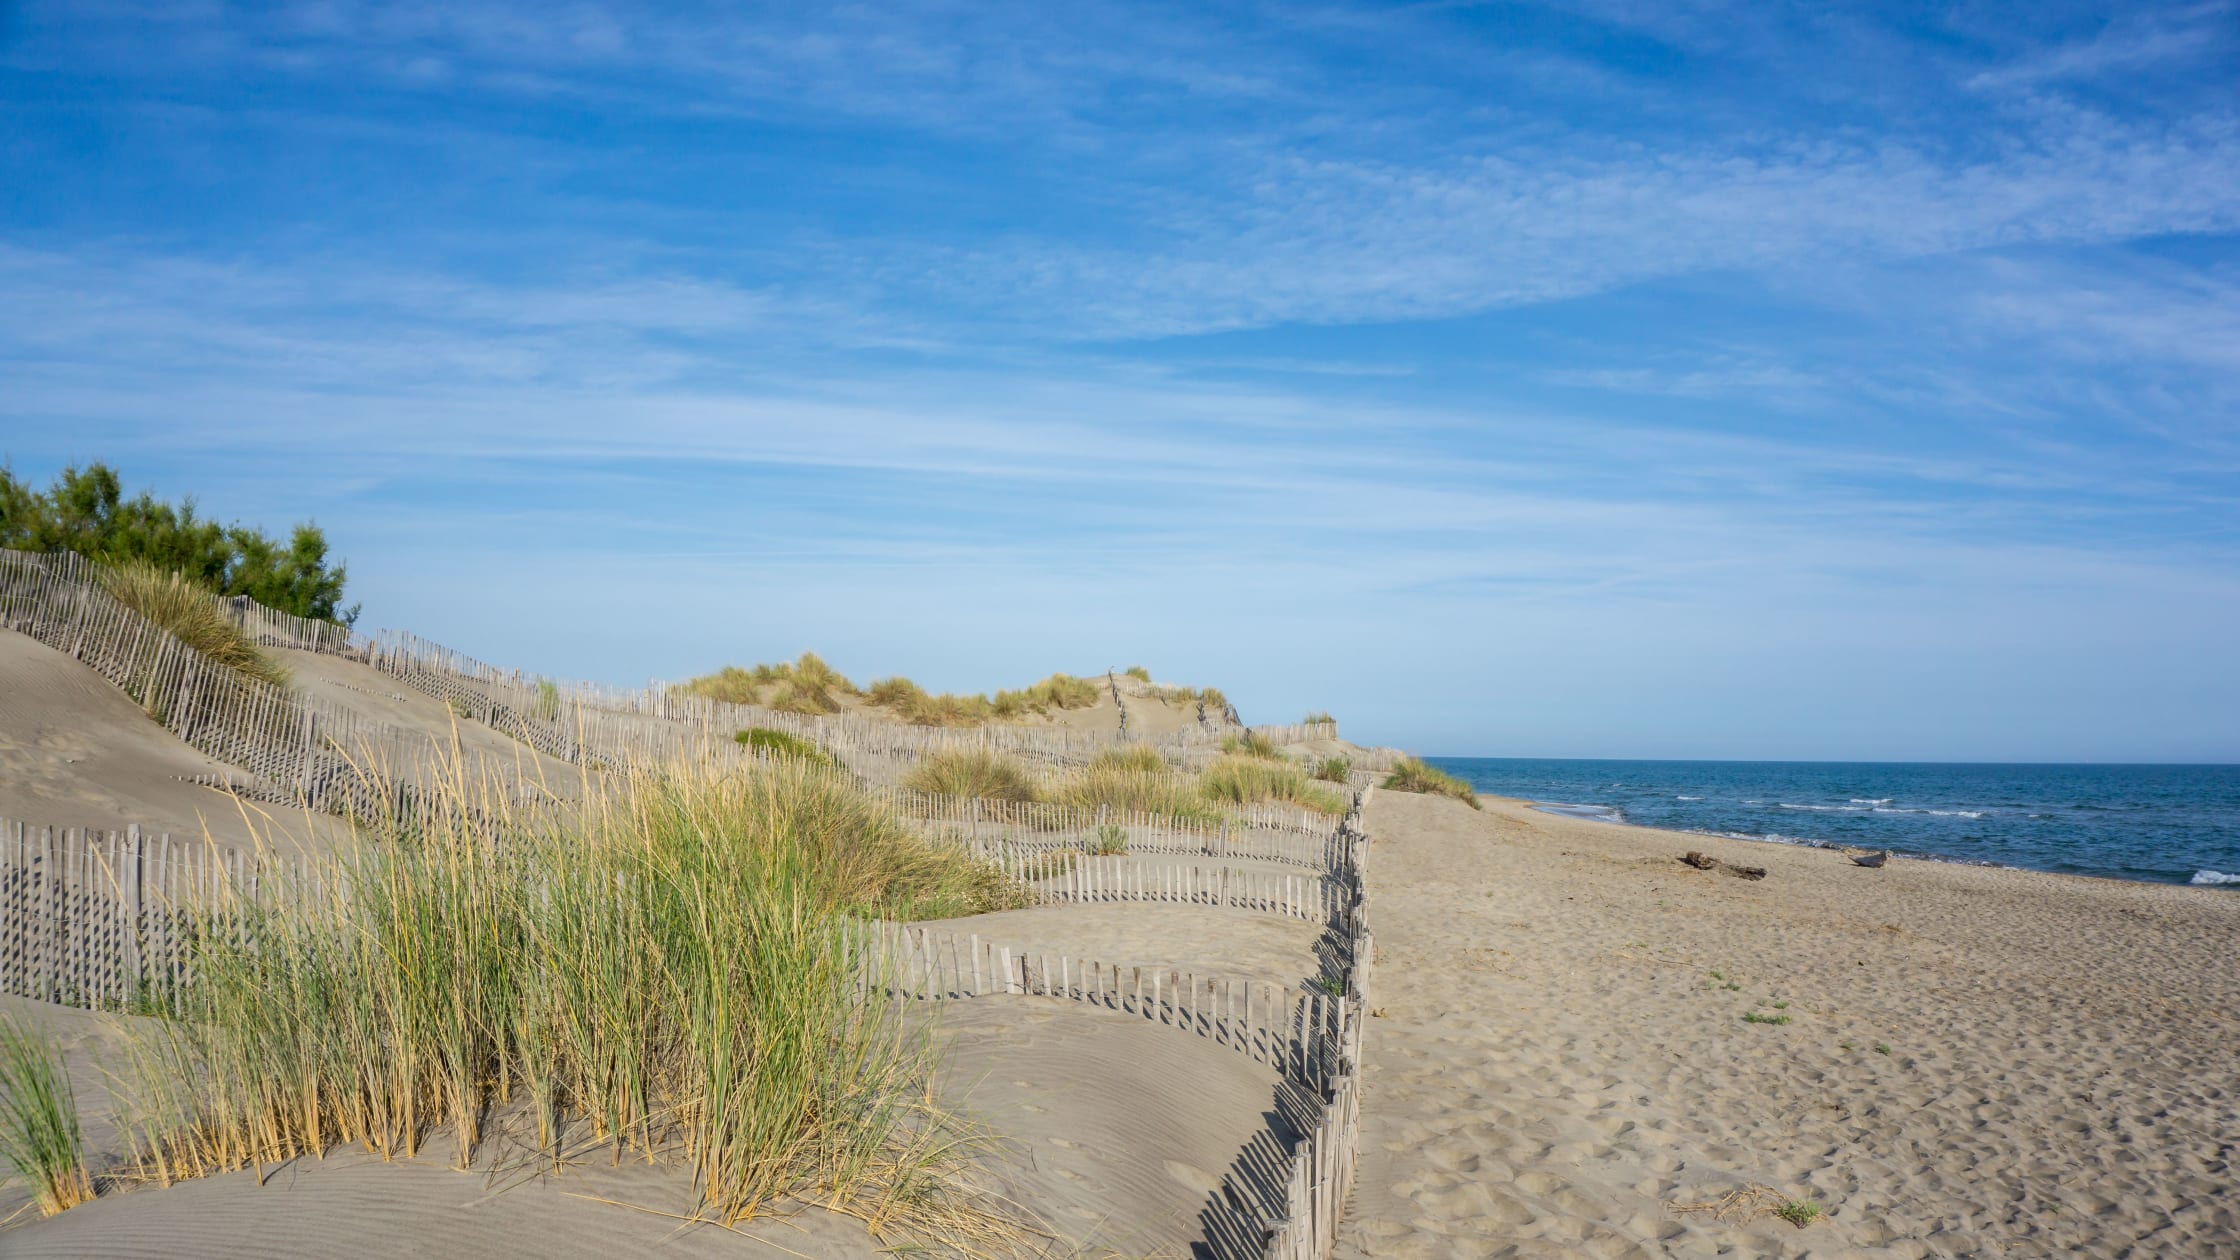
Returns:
(972,772)
(1412,774)
(1247,780)
(668,964)
(193,615)
(39,1134)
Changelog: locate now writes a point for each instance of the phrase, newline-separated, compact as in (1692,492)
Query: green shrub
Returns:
(85,511)
(784,744)
(39,1133)
(1413,775)
(1334,770)
(1111,841)
(670,964)
(1243,780)
(971,772)
(193,614)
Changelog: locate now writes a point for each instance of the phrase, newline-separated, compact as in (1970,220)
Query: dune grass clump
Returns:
(39,1133)
(784,744)
(1318,717)
(1251,744)
(1135,778)
(1058,691)
(1412,774)
(668,964)
(1334,769)
(1137,672)
(971,772)
(193,614)
(807,685)
(918,707)
(1246,780)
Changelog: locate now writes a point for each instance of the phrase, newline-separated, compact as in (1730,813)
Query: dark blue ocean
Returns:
(2169,824)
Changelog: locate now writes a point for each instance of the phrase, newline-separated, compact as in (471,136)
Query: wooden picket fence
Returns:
(1267,832)
(1292,1029)
(316,753)
(1321,1168)
(106,919)
(1081,879)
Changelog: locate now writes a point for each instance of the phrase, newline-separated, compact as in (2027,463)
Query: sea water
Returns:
(2170,824)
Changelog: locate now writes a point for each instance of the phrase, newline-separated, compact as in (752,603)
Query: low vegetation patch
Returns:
(972,772)
(1334,770)
(784,744)
(193,614)
(39,1134)
(1251,744)
(1760,1017)
(1138,672)
(1413,774)
(668,964)
(1318,718)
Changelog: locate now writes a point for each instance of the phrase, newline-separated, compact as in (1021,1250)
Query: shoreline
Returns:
(1592,813)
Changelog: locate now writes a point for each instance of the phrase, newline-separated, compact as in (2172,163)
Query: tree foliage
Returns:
(85,511)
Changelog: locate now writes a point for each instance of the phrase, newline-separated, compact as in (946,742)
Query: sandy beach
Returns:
(1977,1062)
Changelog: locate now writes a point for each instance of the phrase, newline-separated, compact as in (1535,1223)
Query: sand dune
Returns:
(74,752)
(1555,1062)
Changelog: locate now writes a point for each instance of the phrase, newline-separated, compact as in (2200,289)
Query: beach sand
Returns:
(1978,1063)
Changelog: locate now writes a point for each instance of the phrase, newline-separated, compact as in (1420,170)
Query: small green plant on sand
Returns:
(1332,985)
(39,1134)
(1759,1017)
(1412,774)
(1333,770)
(1880,1048)
(1799,1212)
(1781,1006)
(1112,840)
(1732,986)
(1718,975)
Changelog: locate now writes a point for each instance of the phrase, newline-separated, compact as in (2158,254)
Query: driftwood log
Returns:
(1706,862)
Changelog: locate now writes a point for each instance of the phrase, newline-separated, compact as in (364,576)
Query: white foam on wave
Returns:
(1826,809)
(1870,800)
(1687,798)
(1937,813)
(2215,877)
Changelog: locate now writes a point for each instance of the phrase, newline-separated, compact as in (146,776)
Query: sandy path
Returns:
(1555,1060)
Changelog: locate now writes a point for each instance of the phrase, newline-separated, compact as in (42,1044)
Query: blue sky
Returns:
(1597,379)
